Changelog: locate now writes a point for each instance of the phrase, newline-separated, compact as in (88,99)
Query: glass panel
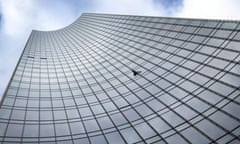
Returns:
(91,125)
(14,130)
(145,131)
(114,137)
(77,127)
(130,135)
(30,131)
(98,140)
(61,129)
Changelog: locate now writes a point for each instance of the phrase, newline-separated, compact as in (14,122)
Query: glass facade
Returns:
(76,85)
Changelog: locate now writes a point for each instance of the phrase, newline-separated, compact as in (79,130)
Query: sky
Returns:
(19,17)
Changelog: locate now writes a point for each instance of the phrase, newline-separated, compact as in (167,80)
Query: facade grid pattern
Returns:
(75,85)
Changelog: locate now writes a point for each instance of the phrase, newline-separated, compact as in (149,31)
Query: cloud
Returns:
(22,15)
(133,7)
(169,3)
(210,9)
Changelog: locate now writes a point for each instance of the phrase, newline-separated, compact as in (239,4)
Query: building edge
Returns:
(15,69)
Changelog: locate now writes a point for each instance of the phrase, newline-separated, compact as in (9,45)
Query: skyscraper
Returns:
(126,79)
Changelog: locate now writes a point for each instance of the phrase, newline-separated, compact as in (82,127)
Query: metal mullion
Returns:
(27,100)
(157,114)
(209,119)
(150,53)
(52,36)
(143,118)
(102,106)
(90,16)
(217,108)
(193,70)
(139,113)
(226,134)
(221,127)
(47,41)
(40,90)
(129,54)
(124,115)
(213,31)
(89,107)
(29,41)
(167,30)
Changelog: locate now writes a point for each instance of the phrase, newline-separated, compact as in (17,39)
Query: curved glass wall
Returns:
(76,85)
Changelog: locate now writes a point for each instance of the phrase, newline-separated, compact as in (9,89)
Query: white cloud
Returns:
(22,15)
(212,9)
(13,13)
(208,9)
(134,7)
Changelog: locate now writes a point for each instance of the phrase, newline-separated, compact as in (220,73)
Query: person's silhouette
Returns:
(135,72)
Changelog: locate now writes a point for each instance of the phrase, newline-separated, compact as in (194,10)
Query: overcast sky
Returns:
(19,17)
